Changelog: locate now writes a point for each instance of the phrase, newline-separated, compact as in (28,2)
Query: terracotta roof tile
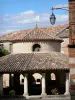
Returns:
(64,34)
(33,61)
(36,33)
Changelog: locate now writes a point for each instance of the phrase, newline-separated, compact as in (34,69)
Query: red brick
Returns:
(72,76)
(71,65)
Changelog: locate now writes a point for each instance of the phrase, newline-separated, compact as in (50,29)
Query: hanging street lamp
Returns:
(52,17)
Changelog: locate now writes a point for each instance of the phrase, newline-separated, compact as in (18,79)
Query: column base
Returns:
(25,94)
(43,94)
(67,93)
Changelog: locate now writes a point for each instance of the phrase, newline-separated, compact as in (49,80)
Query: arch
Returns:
(37,77)
(53,76)
(35,84)
(36,48)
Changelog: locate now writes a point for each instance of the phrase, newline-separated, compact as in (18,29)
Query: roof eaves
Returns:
(62,31)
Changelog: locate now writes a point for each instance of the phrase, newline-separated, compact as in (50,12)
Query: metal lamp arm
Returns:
(63,8)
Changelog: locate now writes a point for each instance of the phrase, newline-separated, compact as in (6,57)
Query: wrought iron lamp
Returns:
(52,17)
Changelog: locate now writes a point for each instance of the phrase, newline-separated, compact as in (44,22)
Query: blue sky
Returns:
(21,14)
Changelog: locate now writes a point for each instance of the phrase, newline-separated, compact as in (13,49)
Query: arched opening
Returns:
(51,82)
(35,84)
(54,83)
(54,89)
(36,48)
(37,78)
(53,76)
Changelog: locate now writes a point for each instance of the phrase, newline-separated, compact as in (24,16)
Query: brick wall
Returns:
(72,44)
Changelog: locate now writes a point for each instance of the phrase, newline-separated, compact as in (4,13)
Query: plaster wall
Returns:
(26,47)
(64,46)
(7,46)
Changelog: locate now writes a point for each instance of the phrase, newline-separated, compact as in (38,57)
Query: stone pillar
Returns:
(67,84)
(43,85)
(1,84)
(25,84)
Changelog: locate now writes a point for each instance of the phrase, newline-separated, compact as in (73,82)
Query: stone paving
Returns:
(13,98)
(37,98)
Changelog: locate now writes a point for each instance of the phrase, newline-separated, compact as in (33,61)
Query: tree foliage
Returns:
(3,52)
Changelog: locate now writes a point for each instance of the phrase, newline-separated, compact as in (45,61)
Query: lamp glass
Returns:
(52,19)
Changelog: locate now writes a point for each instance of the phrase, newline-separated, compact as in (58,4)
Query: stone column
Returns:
(43,85)
(67,84)
(1,84)
(25,84)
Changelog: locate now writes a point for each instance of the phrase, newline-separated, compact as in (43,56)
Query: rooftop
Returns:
(44,33)
(33,62)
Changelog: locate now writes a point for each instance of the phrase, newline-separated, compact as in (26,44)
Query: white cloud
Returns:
(28,12)
(27,19)
(6,15)
(6,19)
(61,18)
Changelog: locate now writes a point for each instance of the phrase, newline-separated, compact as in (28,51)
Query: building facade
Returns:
(35,53)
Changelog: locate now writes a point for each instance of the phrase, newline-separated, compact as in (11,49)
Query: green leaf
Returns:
(3,52)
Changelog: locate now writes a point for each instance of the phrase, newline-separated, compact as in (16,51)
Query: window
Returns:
(53,76)
(36,48)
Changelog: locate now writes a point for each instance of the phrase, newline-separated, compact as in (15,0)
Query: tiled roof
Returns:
(64,34)
(33,62)
(36,33)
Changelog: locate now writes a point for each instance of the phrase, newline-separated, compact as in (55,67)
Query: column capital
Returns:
(25,74)
(25,84)
(43,73)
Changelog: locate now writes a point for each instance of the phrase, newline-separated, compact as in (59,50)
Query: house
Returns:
(35,61)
